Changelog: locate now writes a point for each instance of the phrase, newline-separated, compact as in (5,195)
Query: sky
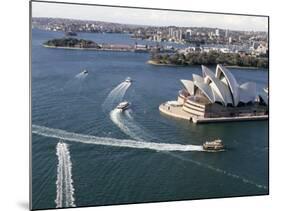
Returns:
(149,17)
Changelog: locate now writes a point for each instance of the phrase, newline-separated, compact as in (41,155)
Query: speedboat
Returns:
(85,72)
(215,145)
(128,80)
(123,105)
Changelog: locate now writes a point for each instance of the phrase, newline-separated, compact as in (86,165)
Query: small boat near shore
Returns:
(216,145)
(123,106)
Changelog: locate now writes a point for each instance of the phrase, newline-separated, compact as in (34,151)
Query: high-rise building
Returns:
(217,32)
(180,35)
(177,34)
(226,33)
(188,33)
(171,32)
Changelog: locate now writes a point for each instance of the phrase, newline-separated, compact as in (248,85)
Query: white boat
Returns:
(123,105)
(215,145)
(85,72)
(265,90)
(128,80)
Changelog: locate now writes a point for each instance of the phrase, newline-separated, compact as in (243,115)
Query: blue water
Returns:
(105,174)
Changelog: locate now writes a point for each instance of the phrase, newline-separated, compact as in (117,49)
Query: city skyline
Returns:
(150,17)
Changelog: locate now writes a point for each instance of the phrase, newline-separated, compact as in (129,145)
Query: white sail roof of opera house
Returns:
(189,85)
(221,91)
(223,73)
(206,89)
(197,78)
(221,87)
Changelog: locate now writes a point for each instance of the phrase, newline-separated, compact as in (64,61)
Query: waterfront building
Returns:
(217,97)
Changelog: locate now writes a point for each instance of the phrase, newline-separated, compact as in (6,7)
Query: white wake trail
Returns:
(81,76)
(115,96)
(59,182)
(69,189)
(74,82)
(64,178)
(126,123)
(221,171)
(89,139)
(128,114)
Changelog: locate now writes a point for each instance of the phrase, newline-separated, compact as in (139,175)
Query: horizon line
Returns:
(144,25)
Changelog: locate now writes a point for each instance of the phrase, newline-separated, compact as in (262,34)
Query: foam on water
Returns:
(75,82)
(89,139)
(164,147)
(128,114)
(115,96)
(129,126)
(81,75)
(126,123)
(59,182)
(64,183)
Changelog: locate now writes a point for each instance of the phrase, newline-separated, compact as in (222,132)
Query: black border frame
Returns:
(145,8)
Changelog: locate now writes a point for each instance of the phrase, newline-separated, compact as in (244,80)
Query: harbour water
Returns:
(84,152)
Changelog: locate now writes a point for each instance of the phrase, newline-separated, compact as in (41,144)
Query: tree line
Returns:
(72,42)
(210,58)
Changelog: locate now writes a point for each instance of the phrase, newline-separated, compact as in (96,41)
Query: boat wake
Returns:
(221,171)
(115,96)
(127,143)
(88,139)
(65,189)
(128,125)
(74,83)
(81,76)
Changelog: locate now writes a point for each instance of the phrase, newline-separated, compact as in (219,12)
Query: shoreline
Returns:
(243,67)
(162,64)
(178,65)
(179,114)
(89,49)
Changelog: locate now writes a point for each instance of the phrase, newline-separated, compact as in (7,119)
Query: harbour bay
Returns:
(113,175)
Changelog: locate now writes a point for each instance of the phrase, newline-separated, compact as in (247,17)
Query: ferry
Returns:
(215,145)
(123,105)
(128,80)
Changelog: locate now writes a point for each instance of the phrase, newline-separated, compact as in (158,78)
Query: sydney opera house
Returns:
(217,97)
